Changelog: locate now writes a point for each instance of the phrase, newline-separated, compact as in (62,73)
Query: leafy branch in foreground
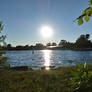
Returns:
(86,14)
(82,78)
(3,59)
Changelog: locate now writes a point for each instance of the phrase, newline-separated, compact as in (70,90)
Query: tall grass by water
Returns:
(54,80)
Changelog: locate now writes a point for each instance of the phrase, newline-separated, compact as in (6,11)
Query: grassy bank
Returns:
(56,80)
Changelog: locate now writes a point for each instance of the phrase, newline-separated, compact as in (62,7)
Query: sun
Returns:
(46,31)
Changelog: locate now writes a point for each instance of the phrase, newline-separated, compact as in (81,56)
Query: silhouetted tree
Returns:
(39,45)
(48,44)
(19,47)
(54,44)
(26,47)
(9,46)
(62,43)
(87,36)
(83,41)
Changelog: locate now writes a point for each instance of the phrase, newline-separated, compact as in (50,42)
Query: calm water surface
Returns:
(48,58)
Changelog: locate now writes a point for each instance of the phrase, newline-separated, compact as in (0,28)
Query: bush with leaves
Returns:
(3,59)
(86,14)
(82,79)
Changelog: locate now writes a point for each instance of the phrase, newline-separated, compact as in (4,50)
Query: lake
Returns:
(48,58)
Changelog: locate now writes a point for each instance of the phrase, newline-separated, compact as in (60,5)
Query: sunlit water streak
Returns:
(47,56)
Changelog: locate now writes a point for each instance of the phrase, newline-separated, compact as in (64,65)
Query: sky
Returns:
(23,19)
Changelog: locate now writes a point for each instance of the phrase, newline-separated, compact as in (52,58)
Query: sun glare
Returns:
(46,31)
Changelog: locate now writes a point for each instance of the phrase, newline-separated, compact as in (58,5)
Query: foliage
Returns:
(2,41)
(54,44)
(82,78)
(86,14)
(83,41)
(51,44)
(48,44)
(62,79)
(62,43)
(39,45)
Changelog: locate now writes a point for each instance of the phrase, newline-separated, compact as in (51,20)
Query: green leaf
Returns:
(89,11)
(90,2)
(84,12)
(86,18)
(80,21)
(79,66)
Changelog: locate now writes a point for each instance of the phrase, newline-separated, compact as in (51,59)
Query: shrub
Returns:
(82,78)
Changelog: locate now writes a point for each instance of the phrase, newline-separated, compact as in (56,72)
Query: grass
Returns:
(55,80)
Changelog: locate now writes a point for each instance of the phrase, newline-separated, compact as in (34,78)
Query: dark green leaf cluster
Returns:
(86,14)
(90,2)
(81,78)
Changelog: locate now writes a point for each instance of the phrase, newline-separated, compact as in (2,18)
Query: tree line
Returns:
(81,43)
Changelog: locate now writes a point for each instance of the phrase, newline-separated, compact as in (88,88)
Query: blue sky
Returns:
(22,20)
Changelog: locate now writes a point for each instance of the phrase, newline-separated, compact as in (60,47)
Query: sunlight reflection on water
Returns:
(47,56)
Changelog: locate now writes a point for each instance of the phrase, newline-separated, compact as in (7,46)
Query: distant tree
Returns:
(86,14)
(62,43)
(48,44)
(39,45)
(31,47)
(87,36)
(83,41)
(3,59)
(26,47)
(19,47)
(9,46)
(54,44)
